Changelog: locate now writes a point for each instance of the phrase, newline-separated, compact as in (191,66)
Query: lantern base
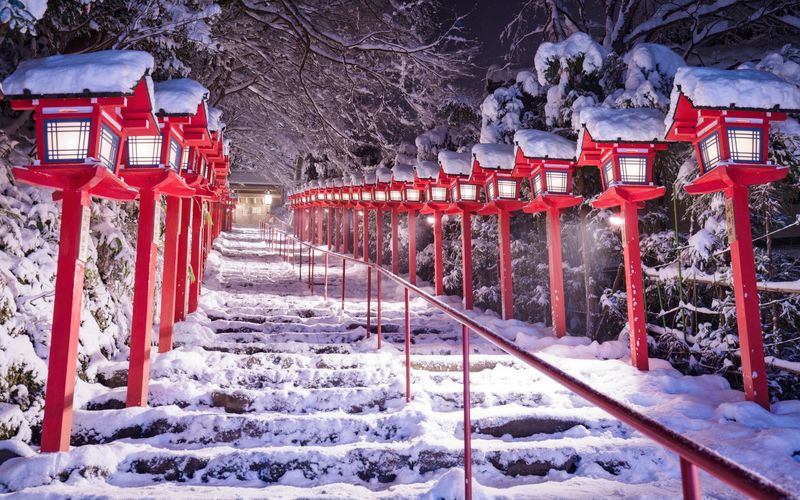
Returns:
(435,206)
(726,176)
(161,180)
(462,207)
(410,206)
(544,202)
(497,206)
(97,180)
(619,195)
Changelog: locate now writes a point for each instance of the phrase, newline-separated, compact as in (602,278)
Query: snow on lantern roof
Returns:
(338,182)
(215,122)
(427,169)
(577,44)
(226,147)
(356,179)
(370,177)
(383,174)
(403,172)
(541,144)
(741,88)
(622,125)
(455,163)
(181,96)
(112,72)
(494,156)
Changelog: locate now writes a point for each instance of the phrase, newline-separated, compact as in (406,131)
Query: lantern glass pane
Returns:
(412,194)
(396,195)
(557,182)
(537,184)
(380,195)
(66,140)
(438,193)
(109,146)
(633,169)
(709,151)
(203,166)
(174,154)
(144,150)
(185,159)
(346,196)
(356,195)
(745,144)
(490,190)
(469,192)
(366,195)
(608,173)
(506,188)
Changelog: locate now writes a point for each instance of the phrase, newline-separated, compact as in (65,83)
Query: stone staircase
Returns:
(272,387)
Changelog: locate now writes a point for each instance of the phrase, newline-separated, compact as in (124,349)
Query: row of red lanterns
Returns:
(122,144)
(732,148)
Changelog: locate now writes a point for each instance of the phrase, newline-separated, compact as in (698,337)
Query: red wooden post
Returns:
(506,289)
(170,273)
(395,243)
(438,266)
(338,232)
(355,233)
(330,228)
(690,480)
(369,301)
(197,231)
(379,237)
(61,374)
(634,285)
(408,349)
(556,271)
(466,259)
(748,314)
(144,287)
(182,274)
(320,214)
(346,230)
(365,237)
(467,418)
(412,247)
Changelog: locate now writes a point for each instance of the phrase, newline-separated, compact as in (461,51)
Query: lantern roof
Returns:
(622,125)
(727,89)
(541,144)
(105,73)
(494,156)
(453,163)
(427,169)
(403,172)
(370,177)
(181,96)
(383,174)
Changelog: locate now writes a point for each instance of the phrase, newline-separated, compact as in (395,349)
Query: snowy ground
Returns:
(274,392)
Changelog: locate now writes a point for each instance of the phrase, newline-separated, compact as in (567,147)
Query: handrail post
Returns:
(369,299)
(300,267)
(690,480)
(467,418)
(379,308)
(326,276)
(408,349)
(344,277)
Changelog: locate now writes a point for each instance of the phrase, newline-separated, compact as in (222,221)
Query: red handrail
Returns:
(692,454)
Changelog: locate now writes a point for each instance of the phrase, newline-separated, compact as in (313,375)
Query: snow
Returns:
(181,96)
(541,144)
(403,172)
(356,179)
(384,174)
(370,177)
(427,169)
(215,123)
(577,44)
(495,156)
(629,125)
(107,71)
(745,88)
(455,163)
(648,79)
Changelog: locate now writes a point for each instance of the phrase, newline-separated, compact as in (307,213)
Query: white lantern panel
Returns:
(709,151)
(537,184)
(506,188)
(366,195)
(355,195)
(109,147)
(144,150)
(469,192)
(380,195)
(396,195)
(438,193)
(185,159)
(557,182)
(346,196)
(745,144)
(608,173)
(633,169)
(412,194)
(490,190)
(174,154)
(66,140)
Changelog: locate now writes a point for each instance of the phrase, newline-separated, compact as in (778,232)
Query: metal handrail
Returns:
(692,454)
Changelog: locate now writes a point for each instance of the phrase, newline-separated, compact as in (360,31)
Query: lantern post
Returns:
(548,160)
(456,169)
(495,164)
(383,177)
(367,203)
(623,144)
(436,196)
(338,214)
(396,196)
(79,135)
(732,145)
(413,201)
(329,203)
